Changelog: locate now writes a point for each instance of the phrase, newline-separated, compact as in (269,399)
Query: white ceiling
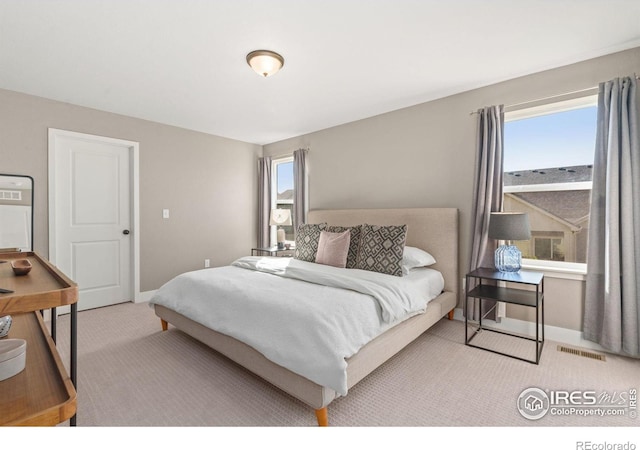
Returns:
(182,62)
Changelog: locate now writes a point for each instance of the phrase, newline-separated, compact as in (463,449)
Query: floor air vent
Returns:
(574,351)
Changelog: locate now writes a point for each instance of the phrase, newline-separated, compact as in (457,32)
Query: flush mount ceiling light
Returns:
(265,62)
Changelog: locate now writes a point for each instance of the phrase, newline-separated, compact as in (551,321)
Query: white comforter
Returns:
(303,316)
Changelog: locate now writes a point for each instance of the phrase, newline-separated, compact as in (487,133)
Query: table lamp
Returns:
(280,217)
(509,226)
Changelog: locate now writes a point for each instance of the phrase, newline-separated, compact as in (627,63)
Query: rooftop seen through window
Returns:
(548,165)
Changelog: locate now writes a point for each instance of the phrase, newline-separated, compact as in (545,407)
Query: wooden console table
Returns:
(43,393)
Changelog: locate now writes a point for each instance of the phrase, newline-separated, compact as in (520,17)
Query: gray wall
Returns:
(207,182)
(423,156)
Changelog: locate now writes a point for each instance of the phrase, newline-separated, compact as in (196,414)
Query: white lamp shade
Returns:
(280,217)
(265,62)
(509,226)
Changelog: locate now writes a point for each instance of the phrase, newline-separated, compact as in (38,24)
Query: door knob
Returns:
(125,232)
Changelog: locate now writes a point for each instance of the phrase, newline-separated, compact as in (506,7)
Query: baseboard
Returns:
(553,333)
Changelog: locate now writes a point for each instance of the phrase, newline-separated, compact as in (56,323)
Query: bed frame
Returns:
(432,229)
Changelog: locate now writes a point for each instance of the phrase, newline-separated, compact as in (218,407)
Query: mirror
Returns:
(16,212)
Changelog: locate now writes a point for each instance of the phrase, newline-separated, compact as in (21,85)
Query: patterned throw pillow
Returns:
(381,248)
(307,238)
(354,244)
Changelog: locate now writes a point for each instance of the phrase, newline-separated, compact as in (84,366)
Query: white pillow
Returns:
(413,257)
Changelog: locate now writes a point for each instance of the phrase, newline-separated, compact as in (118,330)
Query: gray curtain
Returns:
(264,201)
(487,194)
(612,299)
(299,187)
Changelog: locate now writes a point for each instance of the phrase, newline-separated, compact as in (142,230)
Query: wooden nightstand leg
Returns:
(450,314)
(164,324)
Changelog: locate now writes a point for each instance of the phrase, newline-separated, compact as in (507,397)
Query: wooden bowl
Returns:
(21,266)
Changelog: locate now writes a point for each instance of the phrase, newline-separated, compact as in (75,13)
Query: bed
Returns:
(432,229)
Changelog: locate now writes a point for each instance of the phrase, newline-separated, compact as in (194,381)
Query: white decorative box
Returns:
(13,356)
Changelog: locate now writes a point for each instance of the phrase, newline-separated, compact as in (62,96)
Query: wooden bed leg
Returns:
(323,417)
(450,314)
(164,324)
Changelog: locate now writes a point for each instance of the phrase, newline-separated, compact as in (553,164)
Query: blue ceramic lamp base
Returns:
(508,258)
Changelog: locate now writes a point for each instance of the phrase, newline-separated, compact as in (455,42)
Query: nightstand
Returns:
(272,251)
(486,289)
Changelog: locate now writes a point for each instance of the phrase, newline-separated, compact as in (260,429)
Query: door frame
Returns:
(134,199)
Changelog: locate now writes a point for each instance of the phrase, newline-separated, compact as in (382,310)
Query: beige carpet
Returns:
(132,374)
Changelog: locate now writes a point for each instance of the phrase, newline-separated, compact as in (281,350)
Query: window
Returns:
(549,248)
(11,195)
(548,164)
(282,172)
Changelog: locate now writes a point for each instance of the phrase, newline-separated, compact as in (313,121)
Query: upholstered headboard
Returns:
(434,230)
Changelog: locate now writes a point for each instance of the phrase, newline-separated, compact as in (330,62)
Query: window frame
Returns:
(572,270)
(274,194)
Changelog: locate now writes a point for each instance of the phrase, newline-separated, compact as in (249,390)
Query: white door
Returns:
(90,242)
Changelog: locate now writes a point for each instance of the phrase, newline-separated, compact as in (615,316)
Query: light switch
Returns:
(165,213)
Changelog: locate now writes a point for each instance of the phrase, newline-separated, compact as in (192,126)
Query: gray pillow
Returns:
(307,237)
(381,248)
(354,243)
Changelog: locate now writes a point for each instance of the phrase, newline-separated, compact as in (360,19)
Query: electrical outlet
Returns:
(165,213)
(464,284)
(207,263)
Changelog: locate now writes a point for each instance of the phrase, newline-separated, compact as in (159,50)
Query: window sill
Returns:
(553,269)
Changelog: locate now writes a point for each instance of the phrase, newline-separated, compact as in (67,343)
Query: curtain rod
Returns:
(550,97)
(543,98)
(289,155)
